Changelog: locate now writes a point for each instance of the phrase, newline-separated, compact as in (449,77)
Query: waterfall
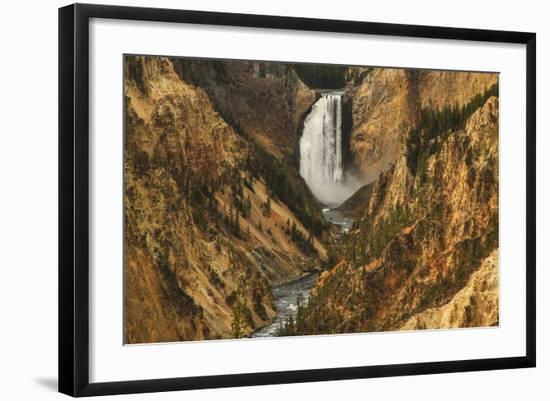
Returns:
(321,150)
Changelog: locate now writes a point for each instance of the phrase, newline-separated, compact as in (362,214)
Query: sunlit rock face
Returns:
(386,102)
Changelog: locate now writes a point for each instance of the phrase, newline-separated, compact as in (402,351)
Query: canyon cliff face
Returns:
(475,305)
(424,254)
(206,231)
(386,103)
(266,100)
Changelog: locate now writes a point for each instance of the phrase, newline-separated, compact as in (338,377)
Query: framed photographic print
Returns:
(250,199)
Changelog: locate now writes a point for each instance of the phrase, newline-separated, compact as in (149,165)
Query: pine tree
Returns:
(293,231)
(237,226)
(267,207)
(238,322)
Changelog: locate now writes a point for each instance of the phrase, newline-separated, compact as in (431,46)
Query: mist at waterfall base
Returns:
(321,163)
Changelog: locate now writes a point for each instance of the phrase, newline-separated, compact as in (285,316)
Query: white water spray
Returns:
(321,151)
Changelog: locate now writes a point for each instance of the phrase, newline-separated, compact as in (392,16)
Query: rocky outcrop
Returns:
(356,204)
(476,305)
(442,88)
(267,101)
(381,114)
(205,237)
(386,103)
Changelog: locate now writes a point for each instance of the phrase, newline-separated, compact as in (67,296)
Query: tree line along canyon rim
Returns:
(270,199)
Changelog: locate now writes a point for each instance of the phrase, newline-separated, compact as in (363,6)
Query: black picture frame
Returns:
(74,198)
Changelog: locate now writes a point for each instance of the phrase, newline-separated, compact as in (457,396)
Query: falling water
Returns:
(321,150)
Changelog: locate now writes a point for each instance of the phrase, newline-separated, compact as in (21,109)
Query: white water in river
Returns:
(321,163)
(285,297)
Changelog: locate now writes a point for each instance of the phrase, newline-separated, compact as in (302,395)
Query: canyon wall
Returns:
(206,235)
(386,103)
(266,100)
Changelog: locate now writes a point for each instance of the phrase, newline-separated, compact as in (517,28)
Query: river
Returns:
(285,295)
(338,218)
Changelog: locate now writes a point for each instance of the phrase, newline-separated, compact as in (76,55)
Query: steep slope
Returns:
(424,254)
(475,305)
(265,102)
(356,204)
(268,101)
(386,103)
(206,235)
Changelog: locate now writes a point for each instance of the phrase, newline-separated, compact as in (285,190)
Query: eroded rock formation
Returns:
(386,103)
